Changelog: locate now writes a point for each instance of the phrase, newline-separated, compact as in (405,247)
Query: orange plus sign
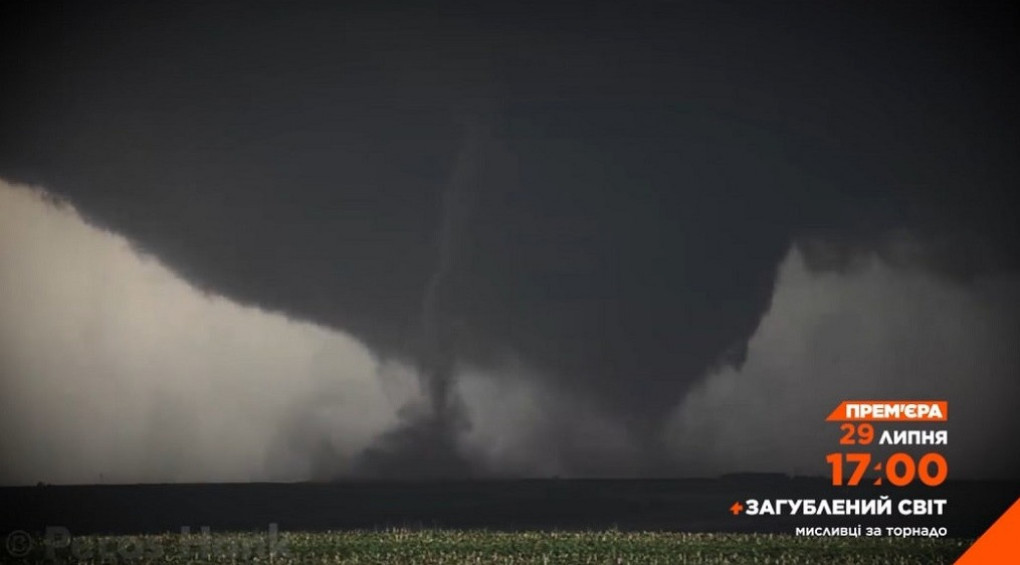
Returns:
(736,508)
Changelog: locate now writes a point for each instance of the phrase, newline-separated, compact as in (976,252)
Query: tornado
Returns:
(425,442)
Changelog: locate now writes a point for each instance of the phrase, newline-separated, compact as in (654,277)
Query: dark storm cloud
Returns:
(642,174)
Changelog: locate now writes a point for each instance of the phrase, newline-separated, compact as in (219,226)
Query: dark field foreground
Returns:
(428,547)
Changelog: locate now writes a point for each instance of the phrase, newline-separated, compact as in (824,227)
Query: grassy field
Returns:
(428,547)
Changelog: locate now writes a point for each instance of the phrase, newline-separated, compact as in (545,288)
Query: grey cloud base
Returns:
(116,370)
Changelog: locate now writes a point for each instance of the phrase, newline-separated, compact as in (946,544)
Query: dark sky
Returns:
(621,181)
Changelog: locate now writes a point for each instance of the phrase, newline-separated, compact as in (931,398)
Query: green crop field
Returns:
(428,547)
